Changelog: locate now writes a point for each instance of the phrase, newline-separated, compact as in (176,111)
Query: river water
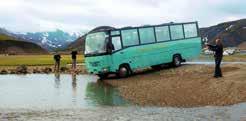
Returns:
(38,95)
(55,91)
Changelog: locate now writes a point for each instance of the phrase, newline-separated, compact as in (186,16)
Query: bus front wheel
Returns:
(124,71)
(103,76)
(177,60)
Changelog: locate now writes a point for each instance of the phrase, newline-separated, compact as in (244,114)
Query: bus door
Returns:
(116,56)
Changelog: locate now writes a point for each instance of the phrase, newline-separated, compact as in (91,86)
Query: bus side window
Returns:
(162,33)
(116,43)
(176,32)
(130,37)
(147,35)
(190,30)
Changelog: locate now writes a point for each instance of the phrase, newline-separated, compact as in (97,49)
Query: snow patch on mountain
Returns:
(228,28)
(51,40)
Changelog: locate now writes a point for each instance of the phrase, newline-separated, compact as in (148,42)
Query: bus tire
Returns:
(124,71)
(102,76)
(177,60)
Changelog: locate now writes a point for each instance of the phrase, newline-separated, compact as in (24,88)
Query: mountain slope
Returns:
(11,45)
(233,33)
(51,40)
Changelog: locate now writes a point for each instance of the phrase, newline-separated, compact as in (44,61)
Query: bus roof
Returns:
(144,26)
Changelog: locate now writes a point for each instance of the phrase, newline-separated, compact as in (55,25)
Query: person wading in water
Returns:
(218,49)
(74,56)
(57,58)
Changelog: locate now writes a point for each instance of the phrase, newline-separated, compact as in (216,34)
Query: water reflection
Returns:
(74,83)
(57,80)
(103,94)
(74,87)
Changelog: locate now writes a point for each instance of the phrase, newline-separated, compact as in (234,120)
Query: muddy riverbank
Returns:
(40,69)
(186,86)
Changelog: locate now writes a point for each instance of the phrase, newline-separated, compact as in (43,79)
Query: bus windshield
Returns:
(95,43)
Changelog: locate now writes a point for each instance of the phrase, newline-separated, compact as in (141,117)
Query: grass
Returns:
(36,60)
(235,57)
(5,37)
(42,60)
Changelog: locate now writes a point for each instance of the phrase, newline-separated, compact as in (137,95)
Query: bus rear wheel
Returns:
(124,71)
(177,61)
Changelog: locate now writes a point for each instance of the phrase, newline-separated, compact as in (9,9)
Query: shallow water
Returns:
(55,91)
(37,96)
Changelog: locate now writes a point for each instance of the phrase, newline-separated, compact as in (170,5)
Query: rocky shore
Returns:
(38,69)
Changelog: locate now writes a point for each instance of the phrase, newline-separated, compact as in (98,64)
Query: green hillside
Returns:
(5,37)
(10,45)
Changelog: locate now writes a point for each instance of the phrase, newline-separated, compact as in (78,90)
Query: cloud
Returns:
(76,15)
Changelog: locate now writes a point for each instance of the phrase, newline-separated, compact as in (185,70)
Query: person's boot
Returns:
(216,76)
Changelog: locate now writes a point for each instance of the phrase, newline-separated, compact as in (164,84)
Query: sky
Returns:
(80,15)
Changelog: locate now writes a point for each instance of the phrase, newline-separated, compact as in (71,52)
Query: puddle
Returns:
(56,91)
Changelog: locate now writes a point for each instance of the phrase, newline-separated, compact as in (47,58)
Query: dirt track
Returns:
(186,86)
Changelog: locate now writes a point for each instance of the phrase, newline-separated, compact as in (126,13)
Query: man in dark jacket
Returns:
(57,58)
(218,49)
(74,56)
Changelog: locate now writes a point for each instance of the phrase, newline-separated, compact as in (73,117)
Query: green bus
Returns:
(124,50)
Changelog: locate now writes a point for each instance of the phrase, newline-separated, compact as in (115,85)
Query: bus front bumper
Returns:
(99,71)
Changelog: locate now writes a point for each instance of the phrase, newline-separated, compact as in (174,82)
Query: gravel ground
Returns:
(231,113)
(185,86)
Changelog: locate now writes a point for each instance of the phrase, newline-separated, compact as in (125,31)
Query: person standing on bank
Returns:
(74,56)
(218,49)
(57,58)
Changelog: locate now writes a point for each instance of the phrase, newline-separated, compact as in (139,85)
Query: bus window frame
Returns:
(118,35)
(154,27)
